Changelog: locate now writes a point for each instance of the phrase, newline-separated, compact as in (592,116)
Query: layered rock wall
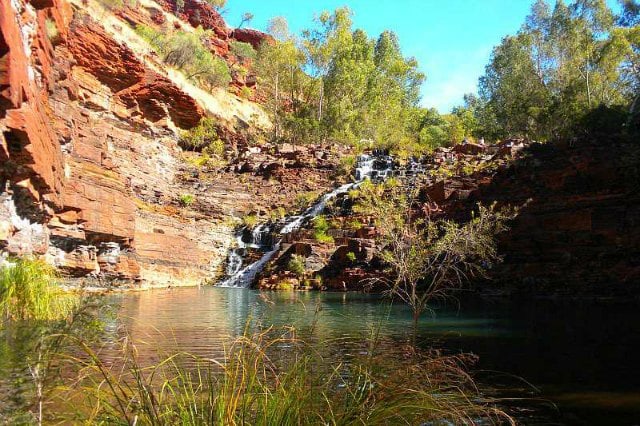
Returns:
(578,231)
(88,134)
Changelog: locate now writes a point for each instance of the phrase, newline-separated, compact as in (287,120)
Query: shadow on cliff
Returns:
(578,232)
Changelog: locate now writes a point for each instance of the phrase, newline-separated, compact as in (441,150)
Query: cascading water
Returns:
(234,263)
(378,166)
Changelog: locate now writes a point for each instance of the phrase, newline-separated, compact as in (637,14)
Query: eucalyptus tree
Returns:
(322,44)
(564,62)
(277,64)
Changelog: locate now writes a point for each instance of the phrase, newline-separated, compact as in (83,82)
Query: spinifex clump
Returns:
(28,290)
(272,377)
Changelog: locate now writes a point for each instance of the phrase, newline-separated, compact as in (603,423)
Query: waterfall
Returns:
(377,166)
(296,221)
(235,255)
(245,277)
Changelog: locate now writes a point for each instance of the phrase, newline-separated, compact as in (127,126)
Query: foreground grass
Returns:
(267,376)
(271,377)
(28,290)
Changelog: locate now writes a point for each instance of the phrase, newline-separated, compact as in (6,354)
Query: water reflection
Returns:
(566,349)
(580,355)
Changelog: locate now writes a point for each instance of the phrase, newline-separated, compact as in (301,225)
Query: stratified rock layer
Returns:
(92,176)
(579,230)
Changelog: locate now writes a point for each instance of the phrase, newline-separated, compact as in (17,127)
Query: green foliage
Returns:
(179,5)
(338,83)
(354,224)
(243,51)
(28,290)
(187,199)
(345,166)
(188,52)
(428,259)
(278,213)
(250,220)
(351,257)
(257,383)
(201,136)
(320,228)
(297,265)
(52,31)
(246,93)
(304,199)
(215,149)
(564,62)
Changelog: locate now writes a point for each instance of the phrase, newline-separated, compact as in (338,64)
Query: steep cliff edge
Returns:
(92,175)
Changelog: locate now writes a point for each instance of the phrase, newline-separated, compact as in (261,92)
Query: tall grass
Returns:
(28,290)
(272,377)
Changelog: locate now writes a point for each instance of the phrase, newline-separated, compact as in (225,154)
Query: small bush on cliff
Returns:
(320,228)
(297,265)
(188,52)
(28,291)
(215,149)
(243,51)
(52,31)
(186,200)
(246,93)
(250,220)
(201,136)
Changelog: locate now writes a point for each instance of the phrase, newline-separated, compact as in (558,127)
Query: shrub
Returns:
(186,200)
(306,198)
(187,51)
(215,149)
(200,136)
(243,51)
(278,213)
(28,290)
(354,224)
(250,220)
(346,165)
(320,228)
(52,31)
(246,93)
(351,257)
(297,265)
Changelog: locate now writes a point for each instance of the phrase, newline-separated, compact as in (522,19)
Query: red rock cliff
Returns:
(86,135)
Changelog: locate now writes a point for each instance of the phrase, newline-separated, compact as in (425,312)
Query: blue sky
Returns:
(452,39)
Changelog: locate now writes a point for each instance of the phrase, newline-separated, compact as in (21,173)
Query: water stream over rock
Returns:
(267,238)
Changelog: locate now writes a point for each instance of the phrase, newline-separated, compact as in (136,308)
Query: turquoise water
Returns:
(562,362)
(573,362)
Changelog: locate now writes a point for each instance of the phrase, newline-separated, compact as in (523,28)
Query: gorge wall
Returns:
(90,168)
(578,230)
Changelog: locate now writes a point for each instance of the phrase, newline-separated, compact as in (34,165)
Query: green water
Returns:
(579,359)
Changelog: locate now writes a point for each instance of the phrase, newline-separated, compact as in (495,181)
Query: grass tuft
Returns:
(272,377)
(28,290)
